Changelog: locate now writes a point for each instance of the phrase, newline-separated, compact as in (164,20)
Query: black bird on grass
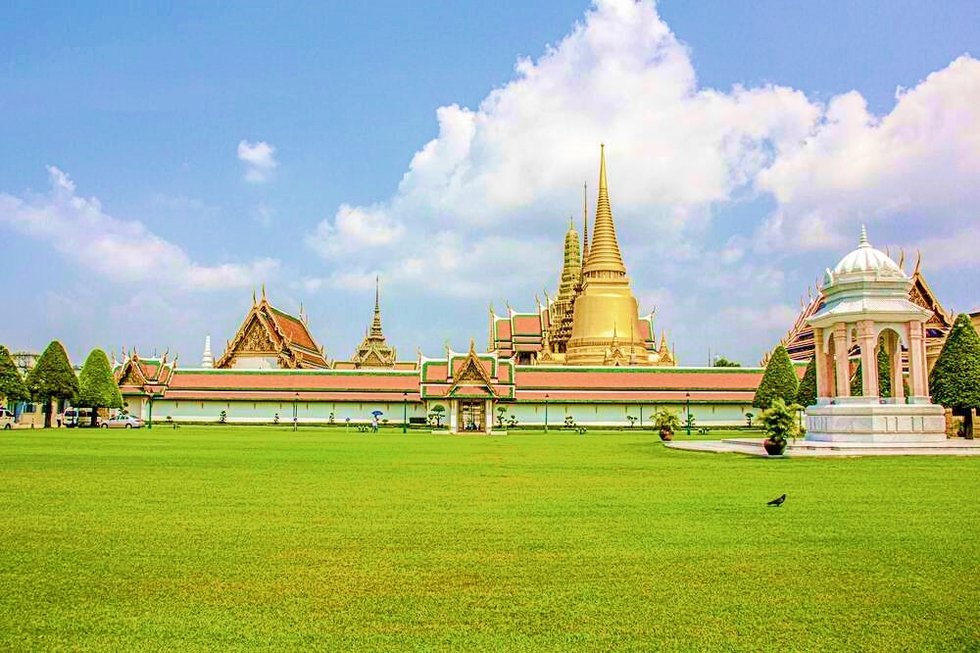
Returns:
(778,501)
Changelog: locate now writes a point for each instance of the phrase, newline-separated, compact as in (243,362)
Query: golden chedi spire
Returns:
(605,260)
(585,223)
(605,325)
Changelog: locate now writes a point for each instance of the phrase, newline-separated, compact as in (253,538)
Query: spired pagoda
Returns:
(374,351)
(594,320)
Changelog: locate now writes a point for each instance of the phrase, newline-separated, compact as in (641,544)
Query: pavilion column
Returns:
(869,361)
(895,353)
(841,360)
(916,360)
(820,361)
(925,361)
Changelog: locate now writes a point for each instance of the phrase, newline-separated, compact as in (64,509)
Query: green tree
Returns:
(52,379)
(806,394)
(955,378)
(12,387)
(438,411)
(884,376)
(779,380)
(721,361)
(96,386)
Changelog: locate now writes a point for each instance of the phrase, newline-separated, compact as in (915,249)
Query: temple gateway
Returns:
(587,357)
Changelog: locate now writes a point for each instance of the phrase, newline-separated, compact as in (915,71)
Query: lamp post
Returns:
(404,412)
(688,395)
(295,413)
(546,413)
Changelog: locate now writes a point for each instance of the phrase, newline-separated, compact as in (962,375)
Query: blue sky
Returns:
(746,143)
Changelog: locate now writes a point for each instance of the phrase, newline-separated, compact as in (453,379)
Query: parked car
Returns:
(121,421)
(73,417)
(6,418)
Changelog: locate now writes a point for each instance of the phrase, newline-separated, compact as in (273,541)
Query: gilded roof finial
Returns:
(254,301)
(263,291)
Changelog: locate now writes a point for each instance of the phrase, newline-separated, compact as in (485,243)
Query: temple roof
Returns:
(270,332)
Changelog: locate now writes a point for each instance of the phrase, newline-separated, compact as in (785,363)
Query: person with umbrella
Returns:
(374,420)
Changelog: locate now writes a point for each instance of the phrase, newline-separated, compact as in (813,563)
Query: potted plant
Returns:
(666,422)
(779,424)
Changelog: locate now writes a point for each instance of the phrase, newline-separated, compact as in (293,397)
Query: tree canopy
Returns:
(96,386)
(721,361)
(779,380)
(806,393)
(12,387)
(52,377)
(955,378)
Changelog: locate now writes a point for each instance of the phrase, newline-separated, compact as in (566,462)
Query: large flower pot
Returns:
(774,447)
(666,435)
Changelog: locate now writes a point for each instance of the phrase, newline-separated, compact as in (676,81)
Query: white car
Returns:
(122,422)
(6,419)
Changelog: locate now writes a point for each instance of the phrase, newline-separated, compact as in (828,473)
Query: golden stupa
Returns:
(605,327)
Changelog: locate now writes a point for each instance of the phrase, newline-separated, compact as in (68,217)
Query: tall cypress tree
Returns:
(806,394)
(779,380)
(52,379)
(12,386)
(96,386)
(955,378)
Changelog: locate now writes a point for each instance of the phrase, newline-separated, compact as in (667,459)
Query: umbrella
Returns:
(377,413)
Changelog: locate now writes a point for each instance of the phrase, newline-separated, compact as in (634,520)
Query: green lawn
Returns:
(230,537)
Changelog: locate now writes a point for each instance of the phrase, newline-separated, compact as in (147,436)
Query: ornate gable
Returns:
(472,373)
(130,374)
(268,333)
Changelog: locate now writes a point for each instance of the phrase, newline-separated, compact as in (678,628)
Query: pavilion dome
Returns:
(867,260)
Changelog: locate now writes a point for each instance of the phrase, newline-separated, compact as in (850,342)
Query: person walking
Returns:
(374,423)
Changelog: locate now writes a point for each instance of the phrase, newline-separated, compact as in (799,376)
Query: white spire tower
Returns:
(207,360)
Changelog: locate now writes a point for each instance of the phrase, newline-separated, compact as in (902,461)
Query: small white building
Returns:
(867,306)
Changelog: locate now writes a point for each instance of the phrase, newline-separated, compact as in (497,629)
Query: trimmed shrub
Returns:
(779,381)
(12,387)
(806,394)
(955,378)
(52,379)
(96,386)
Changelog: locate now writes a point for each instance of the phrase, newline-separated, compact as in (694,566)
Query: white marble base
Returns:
(852,422)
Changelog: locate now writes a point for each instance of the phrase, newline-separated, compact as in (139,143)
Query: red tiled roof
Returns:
(653,396)
(503,329)
(290,381)
(294,329)
(435,372)
(527,324)
(287,396)
(636,379)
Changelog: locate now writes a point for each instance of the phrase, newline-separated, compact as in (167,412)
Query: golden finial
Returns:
(585,221)
(472,346)
(918,261)
(254,302)
(263,291)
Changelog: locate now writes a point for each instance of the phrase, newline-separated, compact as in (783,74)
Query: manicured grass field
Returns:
(233,538)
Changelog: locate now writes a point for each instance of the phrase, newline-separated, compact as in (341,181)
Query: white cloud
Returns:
(353,230)
(922,158)
(259,159)
(123,251)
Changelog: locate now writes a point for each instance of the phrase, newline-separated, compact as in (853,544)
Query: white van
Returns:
(73,417)
(6,419)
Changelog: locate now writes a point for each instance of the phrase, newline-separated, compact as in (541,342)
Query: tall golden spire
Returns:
(585,222)
(605,260)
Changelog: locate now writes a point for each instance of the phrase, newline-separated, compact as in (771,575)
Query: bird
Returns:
(778,501)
